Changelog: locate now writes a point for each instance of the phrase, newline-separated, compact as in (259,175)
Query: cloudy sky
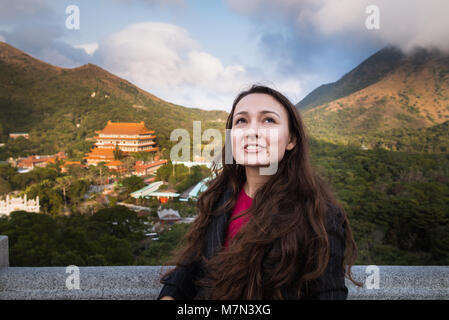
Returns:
(201,53)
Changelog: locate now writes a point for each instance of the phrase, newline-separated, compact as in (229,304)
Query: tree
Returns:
(118,154)
(129,163)
(49,200)
(63,183)
(164,172)
(132,183)
(76,171)
(118,221)
(77,190)
(7,172)
(32,238)
(56,165)
(5,187)
(97,174)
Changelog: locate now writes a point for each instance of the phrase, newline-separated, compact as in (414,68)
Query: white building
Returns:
(168,215)
(15,204)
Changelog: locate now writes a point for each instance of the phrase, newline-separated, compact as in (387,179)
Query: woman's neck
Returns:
(254,180)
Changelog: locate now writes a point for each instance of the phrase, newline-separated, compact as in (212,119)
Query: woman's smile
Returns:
(253,148)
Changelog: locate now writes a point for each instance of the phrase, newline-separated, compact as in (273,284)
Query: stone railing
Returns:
(142,282)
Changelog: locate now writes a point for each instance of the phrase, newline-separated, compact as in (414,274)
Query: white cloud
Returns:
(403,23)
(89,48)
(2,38)
(164,60)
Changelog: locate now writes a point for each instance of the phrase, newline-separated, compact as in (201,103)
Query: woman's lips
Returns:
(253,148)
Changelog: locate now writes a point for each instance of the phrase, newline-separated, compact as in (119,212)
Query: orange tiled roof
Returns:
(124,138)
(67,163)
(114,163)
(30,161)
(100,153)
(141,166)
(125,128)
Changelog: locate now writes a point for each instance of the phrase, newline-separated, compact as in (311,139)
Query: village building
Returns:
(115,164)
(145,168)
(31,162)
(19,134)
(128,137)
(168,216)
(18,204)
(66,164)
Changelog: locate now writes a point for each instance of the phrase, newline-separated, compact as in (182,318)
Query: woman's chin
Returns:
(258,163)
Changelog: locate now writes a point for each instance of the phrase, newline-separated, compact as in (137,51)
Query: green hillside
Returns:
(368,72)
(391,100)
(397,202)
(49,102)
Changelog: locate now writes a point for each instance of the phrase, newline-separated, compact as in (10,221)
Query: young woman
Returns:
(280,235)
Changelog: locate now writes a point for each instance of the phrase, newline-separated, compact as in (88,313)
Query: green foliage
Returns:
(76,171)
(397,202)
(19,147)
(117,221)
(197,173)
(132,183)
(49,199)
(161,251)
(164,172)
(42,240)
(180,176)
(118,154)
(5,187)
(77,190)
(37,175)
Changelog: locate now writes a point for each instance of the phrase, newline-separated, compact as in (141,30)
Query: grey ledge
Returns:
(142,282)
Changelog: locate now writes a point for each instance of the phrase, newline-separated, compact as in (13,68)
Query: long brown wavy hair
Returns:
(289,210)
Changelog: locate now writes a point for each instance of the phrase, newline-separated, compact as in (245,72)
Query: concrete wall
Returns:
(4,253)
(142,282)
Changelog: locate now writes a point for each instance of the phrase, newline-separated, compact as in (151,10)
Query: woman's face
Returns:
(260,131)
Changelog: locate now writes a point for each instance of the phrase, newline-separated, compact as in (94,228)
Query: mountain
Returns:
(368,72)
(389,95)
(61,108)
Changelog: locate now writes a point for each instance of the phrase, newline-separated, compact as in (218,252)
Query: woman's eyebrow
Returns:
(262,112)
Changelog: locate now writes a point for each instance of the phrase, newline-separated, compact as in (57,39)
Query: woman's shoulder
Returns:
(334,218)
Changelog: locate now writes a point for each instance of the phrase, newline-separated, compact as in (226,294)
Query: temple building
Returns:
(128,137)
(17,204)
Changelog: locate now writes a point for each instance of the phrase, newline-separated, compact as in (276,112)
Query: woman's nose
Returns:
(251,133)
(254,128)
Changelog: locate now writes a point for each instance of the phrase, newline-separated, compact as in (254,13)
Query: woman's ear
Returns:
(291,144)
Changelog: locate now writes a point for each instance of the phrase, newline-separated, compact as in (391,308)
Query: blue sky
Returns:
(200,53)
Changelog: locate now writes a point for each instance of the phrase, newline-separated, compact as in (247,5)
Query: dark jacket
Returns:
(330,285)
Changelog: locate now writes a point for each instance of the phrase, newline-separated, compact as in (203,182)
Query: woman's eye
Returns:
(238,120)
(270,120)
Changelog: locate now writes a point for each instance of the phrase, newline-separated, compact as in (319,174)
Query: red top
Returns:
(243,203)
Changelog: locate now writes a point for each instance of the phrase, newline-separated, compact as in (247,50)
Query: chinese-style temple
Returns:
(127,136)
